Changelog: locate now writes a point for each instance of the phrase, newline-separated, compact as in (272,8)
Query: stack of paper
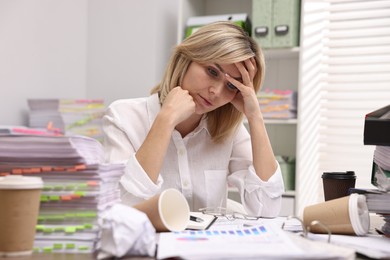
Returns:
(70,116)
(376,132)
(78,186)
(381,169)
(278,104)
(377,202)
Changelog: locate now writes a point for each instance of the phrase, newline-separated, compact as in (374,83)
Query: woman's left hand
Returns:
(246,100)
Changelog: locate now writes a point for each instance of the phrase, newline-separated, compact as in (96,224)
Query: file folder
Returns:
(194,23)
(286,19)
(377,127)
(276,23)
(262,22)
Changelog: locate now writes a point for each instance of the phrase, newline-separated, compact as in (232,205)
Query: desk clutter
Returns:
(245,243)
(377,132)
(79,211)
(68,116)
(78,187)
(278,104)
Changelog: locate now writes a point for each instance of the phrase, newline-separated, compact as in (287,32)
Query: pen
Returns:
(196,219)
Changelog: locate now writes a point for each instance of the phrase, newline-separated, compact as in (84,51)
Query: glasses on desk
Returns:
(228,214)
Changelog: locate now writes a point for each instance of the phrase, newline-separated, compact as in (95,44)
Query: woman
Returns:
(189,134)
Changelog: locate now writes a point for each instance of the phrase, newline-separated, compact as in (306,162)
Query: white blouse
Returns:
(199,168)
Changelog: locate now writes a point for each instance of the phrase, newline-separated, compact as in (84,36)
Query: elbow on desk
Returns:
(268,208)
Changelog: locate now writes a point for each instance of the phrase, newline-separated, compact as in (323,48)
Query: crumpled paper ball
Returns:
(126,231)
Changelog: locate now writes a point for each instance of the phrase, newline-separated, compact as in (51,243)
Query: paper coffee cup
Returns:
(337,184)
(347,215)
(168,211)
(19,207)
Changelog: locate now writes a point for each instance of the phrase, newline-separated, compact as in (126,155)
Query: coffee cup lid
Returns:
(339,175)
(17,182)
(359,214)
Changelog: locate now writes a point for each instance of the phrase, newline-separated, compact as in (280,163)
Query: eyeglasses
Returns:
(225,213)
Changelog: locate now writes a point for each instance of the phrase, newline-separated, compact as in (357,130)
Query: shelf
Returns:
(281,121)
(278,121)
(282,72)
(281,53)
(289,193)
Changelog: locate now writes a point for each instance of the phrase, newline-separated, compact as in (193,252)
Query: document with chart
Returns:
(262,241)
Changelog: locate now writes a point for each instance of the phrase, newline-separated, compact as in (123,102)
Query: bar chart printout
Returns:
(256,241)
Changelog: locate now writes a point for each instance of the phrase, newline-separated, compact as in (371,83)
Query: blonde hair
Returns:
(221,43)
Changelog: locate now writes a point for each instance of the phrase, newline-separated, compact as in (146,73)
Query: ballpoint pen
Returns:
(196,219)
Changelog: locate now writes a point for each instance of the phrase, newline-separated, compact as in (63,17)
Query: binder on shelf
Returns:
(68,116)
(276,23)
(262,22)
(377,127)
(194,23)
(287,166)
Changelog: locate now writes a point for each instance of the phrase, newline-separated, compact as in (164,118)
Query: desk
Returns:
(373,244)
(376,222)
(51,256)
(41,256)
(90,257)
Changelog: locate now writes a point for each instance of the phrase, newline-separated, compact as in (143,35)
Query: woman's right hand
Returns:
(178,106)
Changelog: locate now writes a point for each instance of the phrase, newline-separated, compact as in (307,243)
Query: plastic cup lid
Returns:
(359,214)
(339,175)
(19,182)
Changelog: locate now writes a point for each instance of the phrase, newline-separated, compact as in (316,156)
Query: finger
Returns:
(237,100)
(250,65)
(235,82)
(244,74)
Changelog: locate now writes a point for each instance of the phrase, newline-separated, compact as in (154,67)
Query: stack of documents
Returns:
(70,116)
(376,132)
(377,127)
(278,104)
(377,202)
(78,186)
(381,167)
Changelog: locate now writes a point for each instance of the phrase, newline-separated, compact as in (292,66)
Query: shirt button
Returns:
(185,183)
(181,152)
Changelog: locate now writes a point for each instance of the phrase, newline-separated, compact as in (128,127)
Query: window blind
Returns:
(345,62)
(313,23)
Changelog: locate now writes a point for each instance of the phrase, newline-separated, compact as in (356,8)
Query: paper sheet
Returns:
(373,246)
(263,241)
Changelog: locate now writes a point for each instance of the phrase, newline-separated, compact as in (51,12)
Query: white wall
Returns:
(81,49)
(42,53)
(128,45)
